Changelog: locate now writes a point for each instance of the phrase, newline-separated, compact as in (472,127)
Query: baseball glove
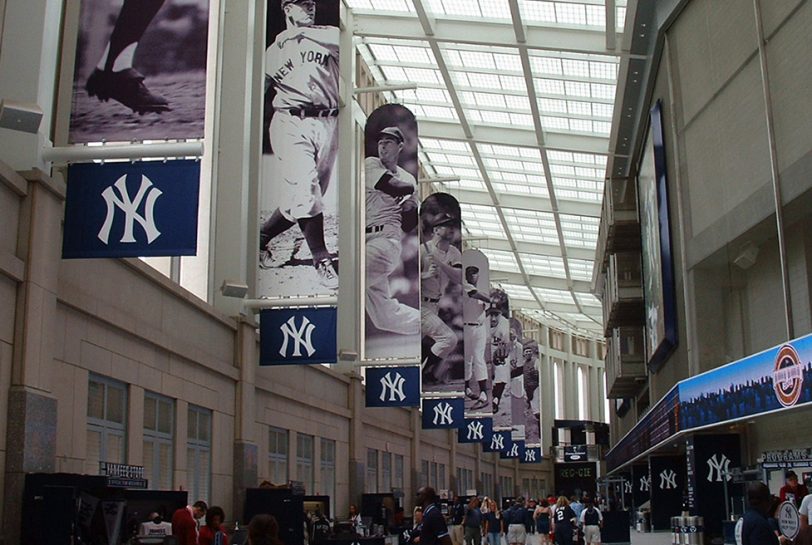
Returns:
(500,352)
(408,215)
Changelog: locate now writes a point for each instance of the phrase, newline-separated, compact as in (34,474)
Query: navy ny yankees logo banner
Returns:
(392,302)
(512,449)
(393,386)
(475,430)
(440,302)
(131,209)
(500,440)
(442,413)
(298,212)
(297,336)
(530,455)
(475,301)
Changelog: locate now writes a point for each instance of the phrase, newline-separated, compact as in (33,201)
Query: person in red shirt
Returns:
(184,522)
(213,532)
(793,491)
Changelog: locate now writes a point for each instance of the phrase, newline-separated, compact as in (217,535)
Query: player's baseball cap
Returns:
(531,344)
(286,2)
(443,219)
(493,309)
(472,269)
(393,133)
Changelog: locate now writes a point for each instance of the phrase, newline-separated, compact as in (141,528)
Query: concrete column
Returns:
(357,459)
(235,171)
(246,463)
(548,392)
(452,461)
(570,388)
(478,470)
(181,434)
(32,430)
(414,467)
(30,44)
(135,429)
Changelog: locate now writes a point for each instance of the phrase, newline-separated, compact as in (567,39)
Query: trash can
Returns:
(693,530)
(642,521)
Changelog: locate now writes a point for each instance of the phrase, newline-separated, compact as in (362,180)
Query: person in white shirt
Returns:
(591,520)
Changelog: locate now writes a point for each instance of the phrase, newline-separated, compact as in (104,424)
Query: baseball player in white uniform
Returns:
(516,364)
(531,377)
(302,64)
(388,187)
(440,265)
(475,332)
(500,350)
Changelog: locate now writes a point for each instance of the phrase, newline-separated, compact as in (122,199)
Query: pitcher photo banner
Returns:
(442,353)
(298,216)
(392,301)
(501,349)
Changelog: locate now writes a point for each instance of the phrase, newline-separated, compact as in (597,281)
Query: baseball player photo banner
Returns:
(393,386)
(140,70)
(131,209)
(292,336)
(518,398)
(500,349)
(298,217)
(442,354)
(499,441)
(443,413)
(475,430)
(524,385)
(392,302)
(475,301)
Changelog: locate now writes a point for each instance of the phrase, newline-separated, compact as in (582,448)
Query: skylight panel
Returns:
(552,106)
(414,55)
(477,59)
(508,164)
(460,79)
(603,90)
(474,116)
(596,16)
(495,9)
(517,103)
(550,295)
(439,112)
(564,170)
(543,265)
(581,125)
(490,100)
(508,62)
(394,73)
(359,4)
(453,145)
(555,123)
(587,299)
(501,118)
(501,260)
(461,160)
(577,107)
(577,69)
(513,83)
(550,86)
(620,19)
(570,14)
(602,110)
(581,269)
(392,5)
(483,81)
(602,127)
(603,70)
(549,66)
(422,75)
(533,10)
(518,291)
(584,172)
(577,88)
(530,153)
(383,52)
(504,151)
(562,156)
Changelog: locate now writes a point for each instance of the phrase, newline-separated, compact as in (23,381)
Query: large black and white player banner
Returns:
(475,301)
(392,302)
(524,385)
(500,347)
(298,239)
(441,294)
(140,70)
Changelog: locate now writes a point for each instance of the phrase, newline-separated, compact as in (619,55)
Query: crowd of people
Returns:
(561,520)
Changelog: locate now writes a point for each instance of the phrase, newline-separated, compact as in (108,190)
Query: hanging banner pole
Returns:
(77,154)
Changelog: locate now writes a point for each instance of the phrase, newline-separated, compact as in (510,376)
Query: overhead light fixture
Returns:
(384,88)
(20,116)
(234,288)
(747,256)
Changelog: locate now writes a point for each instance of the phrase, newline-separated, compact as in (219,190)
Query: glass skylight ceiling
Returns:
(528,170)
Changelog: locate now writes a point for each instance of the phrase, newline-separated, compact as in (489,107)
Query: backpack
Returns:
(592,517)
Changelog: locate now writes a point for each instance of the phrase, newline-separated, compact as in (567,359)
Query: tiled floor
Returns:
(650,538)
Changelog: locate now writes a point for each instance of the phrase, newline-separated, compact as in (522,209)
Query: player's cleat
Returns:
(495,405)
(327,274)
(483,398)
(469,393)
(126,87)
(265,259)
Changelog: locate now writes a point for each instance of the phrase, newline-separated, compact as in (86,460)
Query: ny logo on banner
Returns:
(393,387)
(645,483)
(130,208)
(514,450)
(718,468)
(497,442)
(627,487)
(668,479)
(476,431)
(442,415)
(301,337)
(530,455)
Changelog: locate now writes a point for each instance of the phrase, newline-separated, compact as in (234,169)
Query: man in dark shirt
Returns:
(755,528)
(457,512)
(434,530)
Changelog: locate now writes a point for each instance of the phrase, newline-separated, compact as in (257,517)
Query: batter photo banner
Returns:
(298,217)
(393,386)
(443,413)
(140,70)
(392,302)
(475,301)
(501,350)
(442,353)
(524,385)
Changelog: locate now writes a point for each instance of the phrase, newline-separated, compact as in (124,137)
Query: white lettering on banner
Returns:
(668,479)
(130,209)
(475,431)
(530,455)
(514,450)
(627,487)
(497,442)
(301,337)
(645,483)
(442,414)
(718,468)
(393,386)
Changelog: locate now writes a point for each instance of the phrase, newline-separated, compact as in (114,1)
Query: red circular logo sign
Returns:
(788,376)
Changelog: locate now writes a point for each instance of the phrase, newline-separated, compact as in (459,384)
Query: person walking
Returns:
(563,522)
(472,523)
